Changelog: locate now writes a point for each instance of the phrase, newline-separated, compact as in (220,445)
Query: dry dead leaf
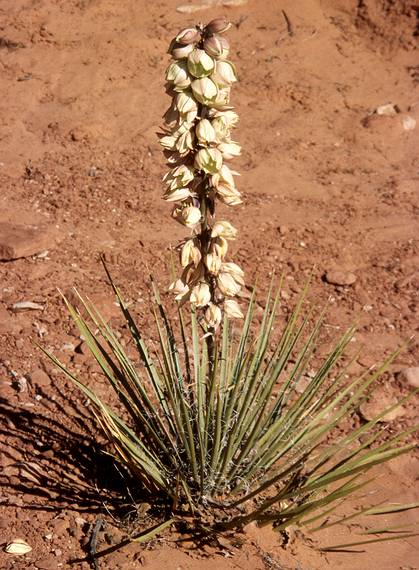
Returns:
(18,547)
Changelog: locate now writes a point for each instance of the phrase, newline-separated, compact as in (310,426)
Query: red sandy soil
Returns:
(328,183)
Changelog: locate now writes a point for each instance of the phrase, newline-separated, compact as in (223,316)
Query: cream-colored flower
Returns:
(213,263)
(200,64)
(221,128)
(229,116)
(179,288)
(224,185)
(182,128)
(229,150)
(234,270)
(227,284)
(200,295)
(204,90)
(177,195)
(187,106)
(229,196)
(187,215)
(222,98)
(224,230)
(177,73)
(179,177)
(168,142)
(205,132)
(190,253)
(182,51)
(224,176)
(209,160)
(232,309)
(184,143)
(219,246)
(213,316)
(225,74)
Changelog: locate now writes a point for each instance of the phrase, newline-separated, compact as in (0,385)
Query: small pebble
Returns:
(338,277)
(410,376)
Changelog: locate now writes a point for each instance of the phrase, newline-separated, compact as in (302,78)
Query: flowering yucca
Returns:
(197,142)
(216,426)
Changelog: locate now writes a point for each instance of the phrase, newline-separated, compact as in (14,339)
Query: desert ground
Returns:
(329,108)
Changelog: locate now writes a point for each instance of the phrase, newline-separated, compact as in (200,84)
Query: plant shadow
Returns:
(61,464)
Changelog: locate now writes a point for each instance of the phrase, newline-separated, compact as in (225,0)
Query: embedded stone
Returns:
(22,240)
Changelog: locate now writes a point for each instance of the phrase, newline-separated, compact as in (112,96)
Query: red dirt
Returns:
(327,182)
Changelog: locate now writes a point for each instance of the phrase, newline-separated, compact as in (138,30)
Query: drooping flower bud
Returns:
(200,295)
(189,215)
(218,26)
(188,36)
(213,316)
(200,64)
(209,160)
(224,230)
(229,150)
(205,90)
(190,253)
(205,132)
(217,46)
(232,309)
(225,74)
(227,284)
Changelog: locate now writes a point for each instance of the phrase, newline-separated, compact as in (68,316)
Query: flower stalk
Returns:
(197,142)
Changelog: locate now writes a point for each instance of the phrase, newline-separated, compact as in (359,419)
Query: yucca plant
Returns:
(214,423)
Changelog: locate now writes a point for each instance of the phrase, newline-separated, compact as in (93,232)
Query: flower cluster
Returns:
(197,143)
